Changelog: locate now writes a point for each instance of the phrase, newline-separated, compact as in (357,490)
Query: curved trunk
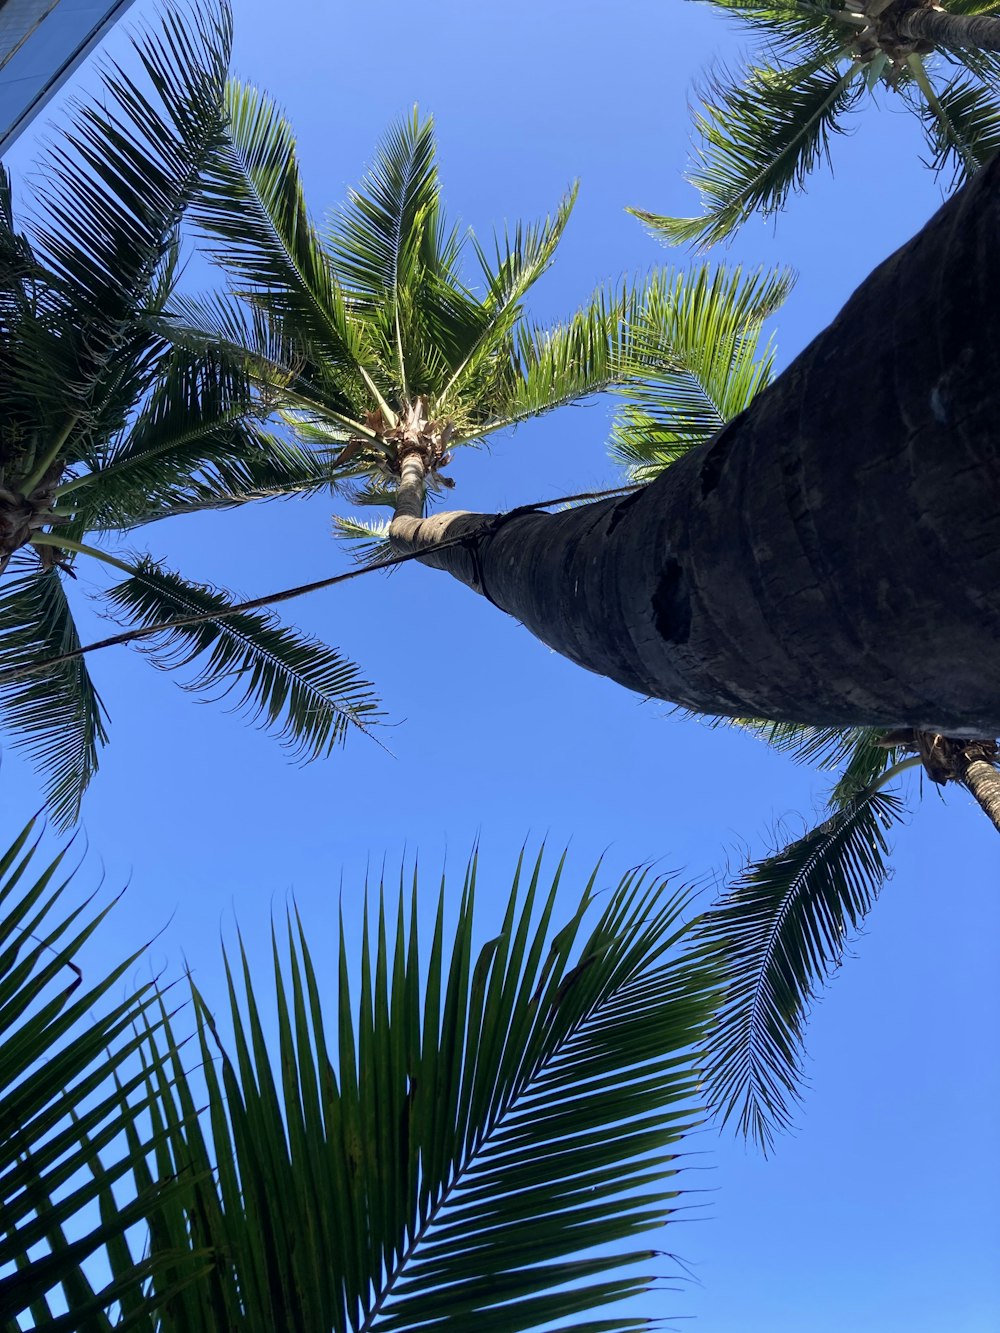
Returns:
(982,779)
(833,555)
(953,31)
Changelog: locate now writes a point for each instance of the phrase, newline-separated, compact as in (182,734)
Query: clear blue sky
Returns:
(879,1215)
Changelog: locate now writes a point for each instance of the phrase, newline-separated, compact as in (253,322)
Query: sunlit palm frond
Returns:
(67,1056)
(696,362)
(962,122)
(760,138)
(367,538)
(56,715)
(476,1137)
(564,363)
(379,233)
(519,259)
(779,933)
(253,207)
(296,686)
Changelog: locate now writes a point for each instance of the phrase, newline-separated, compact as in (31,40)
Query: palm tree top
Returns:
(387,346)
(761,130)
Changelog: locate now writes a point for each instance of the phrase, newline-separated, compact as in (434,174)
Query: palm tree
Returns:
(476,1135)
(781,929)
(108,426)
(756,577)
(763,129)
(391,361)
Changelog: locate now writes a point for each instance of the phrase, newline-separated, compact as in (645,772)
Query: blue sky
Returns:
(879,1213)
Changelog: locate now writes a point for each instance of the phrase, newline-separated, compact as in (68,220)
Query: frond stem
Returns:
(78,548)
(50,457)
(916,66)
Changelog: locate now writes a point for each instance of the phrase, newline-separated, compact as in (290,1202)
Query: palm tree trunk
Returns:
(953,31)
(833,555)
(412,486)
(982,779)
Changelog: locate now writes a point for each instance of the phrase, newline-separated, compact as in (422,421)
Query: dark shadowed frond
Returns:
(780,933)
(116,185)
(695,360)
(197,443)
(68,1081)
(477,1136)
(56,716)
(293,684)
(760,136)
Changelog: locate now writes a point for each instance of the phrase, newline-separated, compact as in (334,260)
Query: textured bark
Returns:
(983,780)
(954,31)
(412,486)
(833,555)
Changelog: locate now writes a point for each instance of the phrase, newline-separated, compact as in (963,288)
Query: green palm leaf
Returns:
(467,1121)
(779,933)
(962,122)
(252,205)
(57,715)
(196,444)
(858,752)
(696,362)
(519,260)
(115,188)
(302,689)
(565,363)
(761,138)
(68,1080)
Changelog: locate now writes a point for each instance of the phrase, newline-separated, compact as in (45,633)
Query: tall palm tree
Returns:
(478,1134)
(762,129)
(107,426)
(780,931)
(756,577)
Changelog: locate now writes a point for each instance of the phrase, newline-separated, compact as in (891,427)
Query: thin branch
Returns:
(287,594)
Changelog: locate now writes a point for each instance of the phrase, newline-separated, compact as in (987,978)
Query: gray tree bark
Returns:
(832,556)
(954,31)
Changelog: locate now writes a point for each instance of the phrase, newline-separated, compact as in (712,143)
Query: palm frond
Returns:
(253,207)
(779,934)
(465,1123)
(519,260)
(118,182)
(68,1080)
(305,691)
(962,122)
(377,236)
(196,444)
(368,538)
(56,716)
(696,362)
(761,137)
(858,752)
(565,363)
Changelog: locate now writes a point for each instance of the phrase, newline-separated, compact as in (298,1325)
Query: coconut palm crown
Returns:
(761,130)
(385,350)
